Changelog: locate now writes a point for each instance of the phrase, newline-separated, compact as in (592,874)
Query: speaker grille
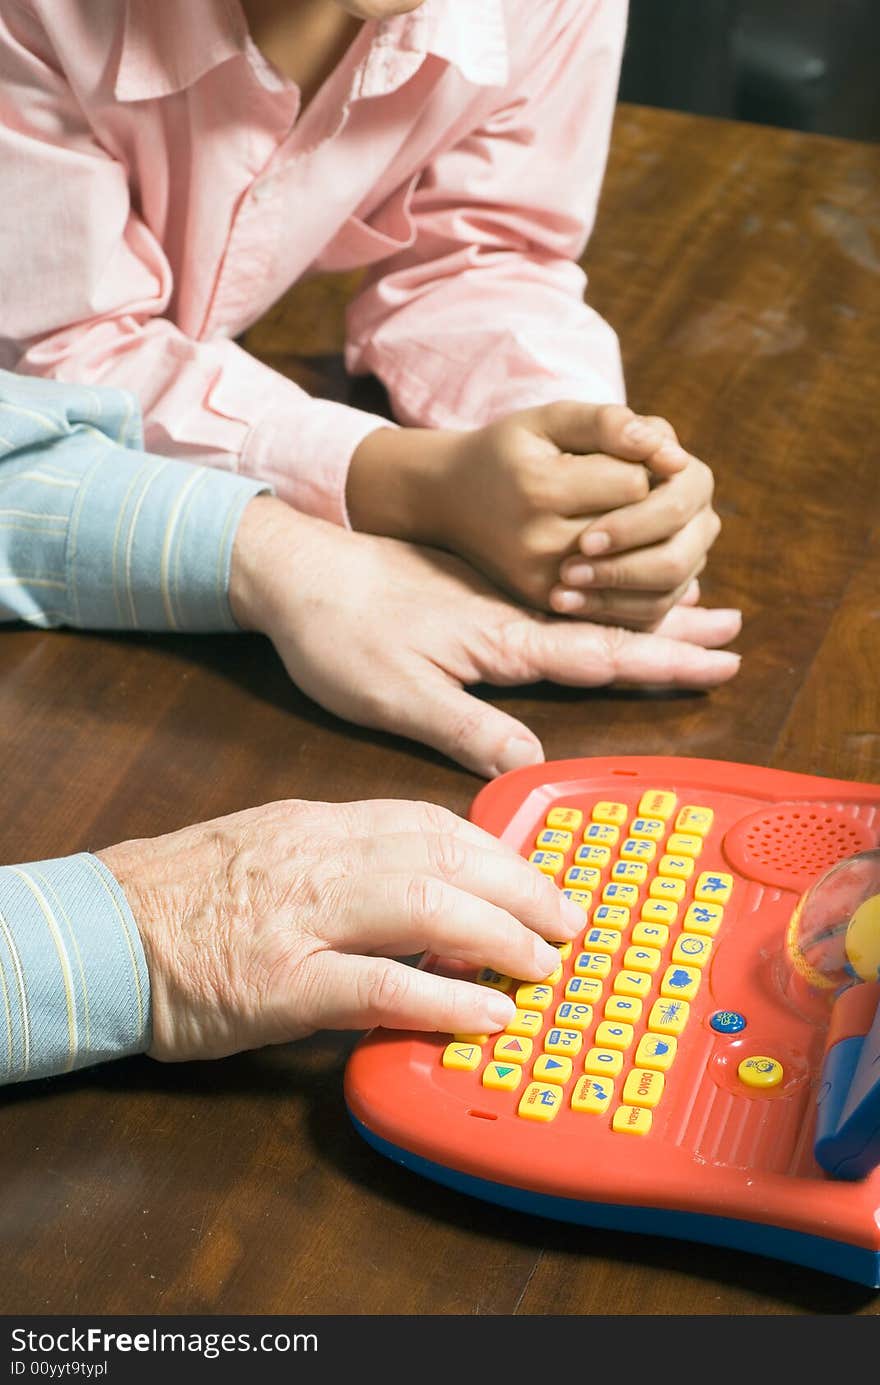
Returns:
(790,844)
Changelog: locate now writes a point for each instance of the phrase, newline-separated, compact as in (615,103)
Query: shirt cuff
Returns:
(323,437)
(150,543)
(74,985)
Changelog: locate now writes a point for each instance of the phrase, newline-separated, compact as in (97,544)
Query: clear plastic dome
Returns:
(833,938)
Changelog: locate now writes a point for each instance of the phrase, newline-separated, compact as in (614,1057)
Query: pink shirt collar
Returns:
(167,46)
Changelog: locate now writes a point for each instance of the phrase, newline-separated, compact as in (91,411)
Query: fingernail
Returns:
(596,541)
(572,914)
(579,574)
(499,1010)
(642,434)
(546,958)
(564,601)
(517,753)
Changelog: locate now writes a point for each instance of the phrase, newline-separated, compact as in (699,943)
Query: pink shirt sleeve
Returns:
(93,284)
(484,313)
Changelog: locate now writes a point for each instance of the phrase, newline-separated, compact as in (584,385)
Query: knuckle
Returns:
(382,989)
(612,576)
(424,899)
(705,477)
(637,484)
(673,569)
(447,855)
(662,425)
(678,508)
(465,728)
(436,818)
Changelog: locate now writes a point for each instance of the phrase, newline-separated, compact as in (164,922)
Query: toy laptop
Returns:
(705,1061)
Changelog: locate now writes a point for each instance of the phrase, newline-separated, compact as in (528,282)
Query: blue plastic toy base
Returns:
(816,1252)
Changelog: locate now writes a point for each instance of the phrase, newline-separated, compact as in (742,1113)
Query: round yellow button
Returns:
(760,1072)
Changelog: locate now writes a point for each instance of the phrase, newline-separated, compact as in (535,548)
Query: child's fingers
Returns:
(640,610)
(667,509)
(594,484)
(612,429)
(660,567)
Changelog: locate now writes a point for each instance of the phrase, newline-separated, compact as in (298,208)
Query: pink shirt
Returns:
(160,191)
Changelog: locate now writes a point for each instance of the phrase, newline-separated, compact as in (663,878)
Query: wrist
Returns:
(398,483)
(266,531)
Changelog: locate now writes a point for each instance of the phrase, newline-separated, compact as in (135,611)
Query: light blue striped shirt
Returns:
(98,534)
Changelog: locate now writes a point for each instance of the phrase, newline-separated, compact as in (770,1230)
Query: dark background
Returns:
(802,64)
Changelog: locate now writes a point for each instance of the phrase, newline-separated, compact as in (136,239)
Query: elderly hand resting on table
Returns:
(389,635)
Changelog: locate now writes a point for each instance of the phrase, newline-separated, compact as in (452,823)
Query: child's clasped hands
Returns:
(580,509)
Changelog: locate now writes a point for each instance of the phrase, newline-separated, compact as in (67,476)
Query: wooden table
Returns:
(740,265)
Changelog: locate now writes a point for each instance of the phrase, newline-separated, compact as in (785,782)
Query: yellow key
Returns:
(568,1042)
(597,856)
(621,895)
(631,1120)
(564,950)
(623,1007)
(540,1101)
(548,862)
(570,1015)
(656,1051)
(583,877)
(494,979)
(471,1038)
(632,983)
(614,814)
(592,964)
(660,911)
(760,1072)
(653,829)
(601,834)
(643,1087)
(684,844)
(569,819)
(696,820)
(630,872)
(553,839)
(525,1022)
(529,997)
(502,1077)
(602,940)
(611,916)
(642,958)
(583,898)
(462,1057)
(601,1061)
(550,1069)
(676,867)
(638,849)
(713,887)
(704,918)
(668,1016)
(614,1034)
(651,934)
(555,976)
(512,1048)
(592,1095)
(665,887)
(657,803)
(693,949)
(583,989)
(680,983)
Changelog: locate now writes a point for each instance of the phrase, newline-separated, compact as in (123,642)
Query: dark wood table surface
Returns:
(741,266)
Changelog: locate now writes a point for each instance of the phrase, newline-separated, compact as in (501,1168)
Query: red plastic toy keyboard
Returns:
(665,1078)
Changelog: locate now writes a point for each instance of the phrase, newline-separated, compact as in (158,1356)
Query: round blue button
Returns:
(727,1021)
